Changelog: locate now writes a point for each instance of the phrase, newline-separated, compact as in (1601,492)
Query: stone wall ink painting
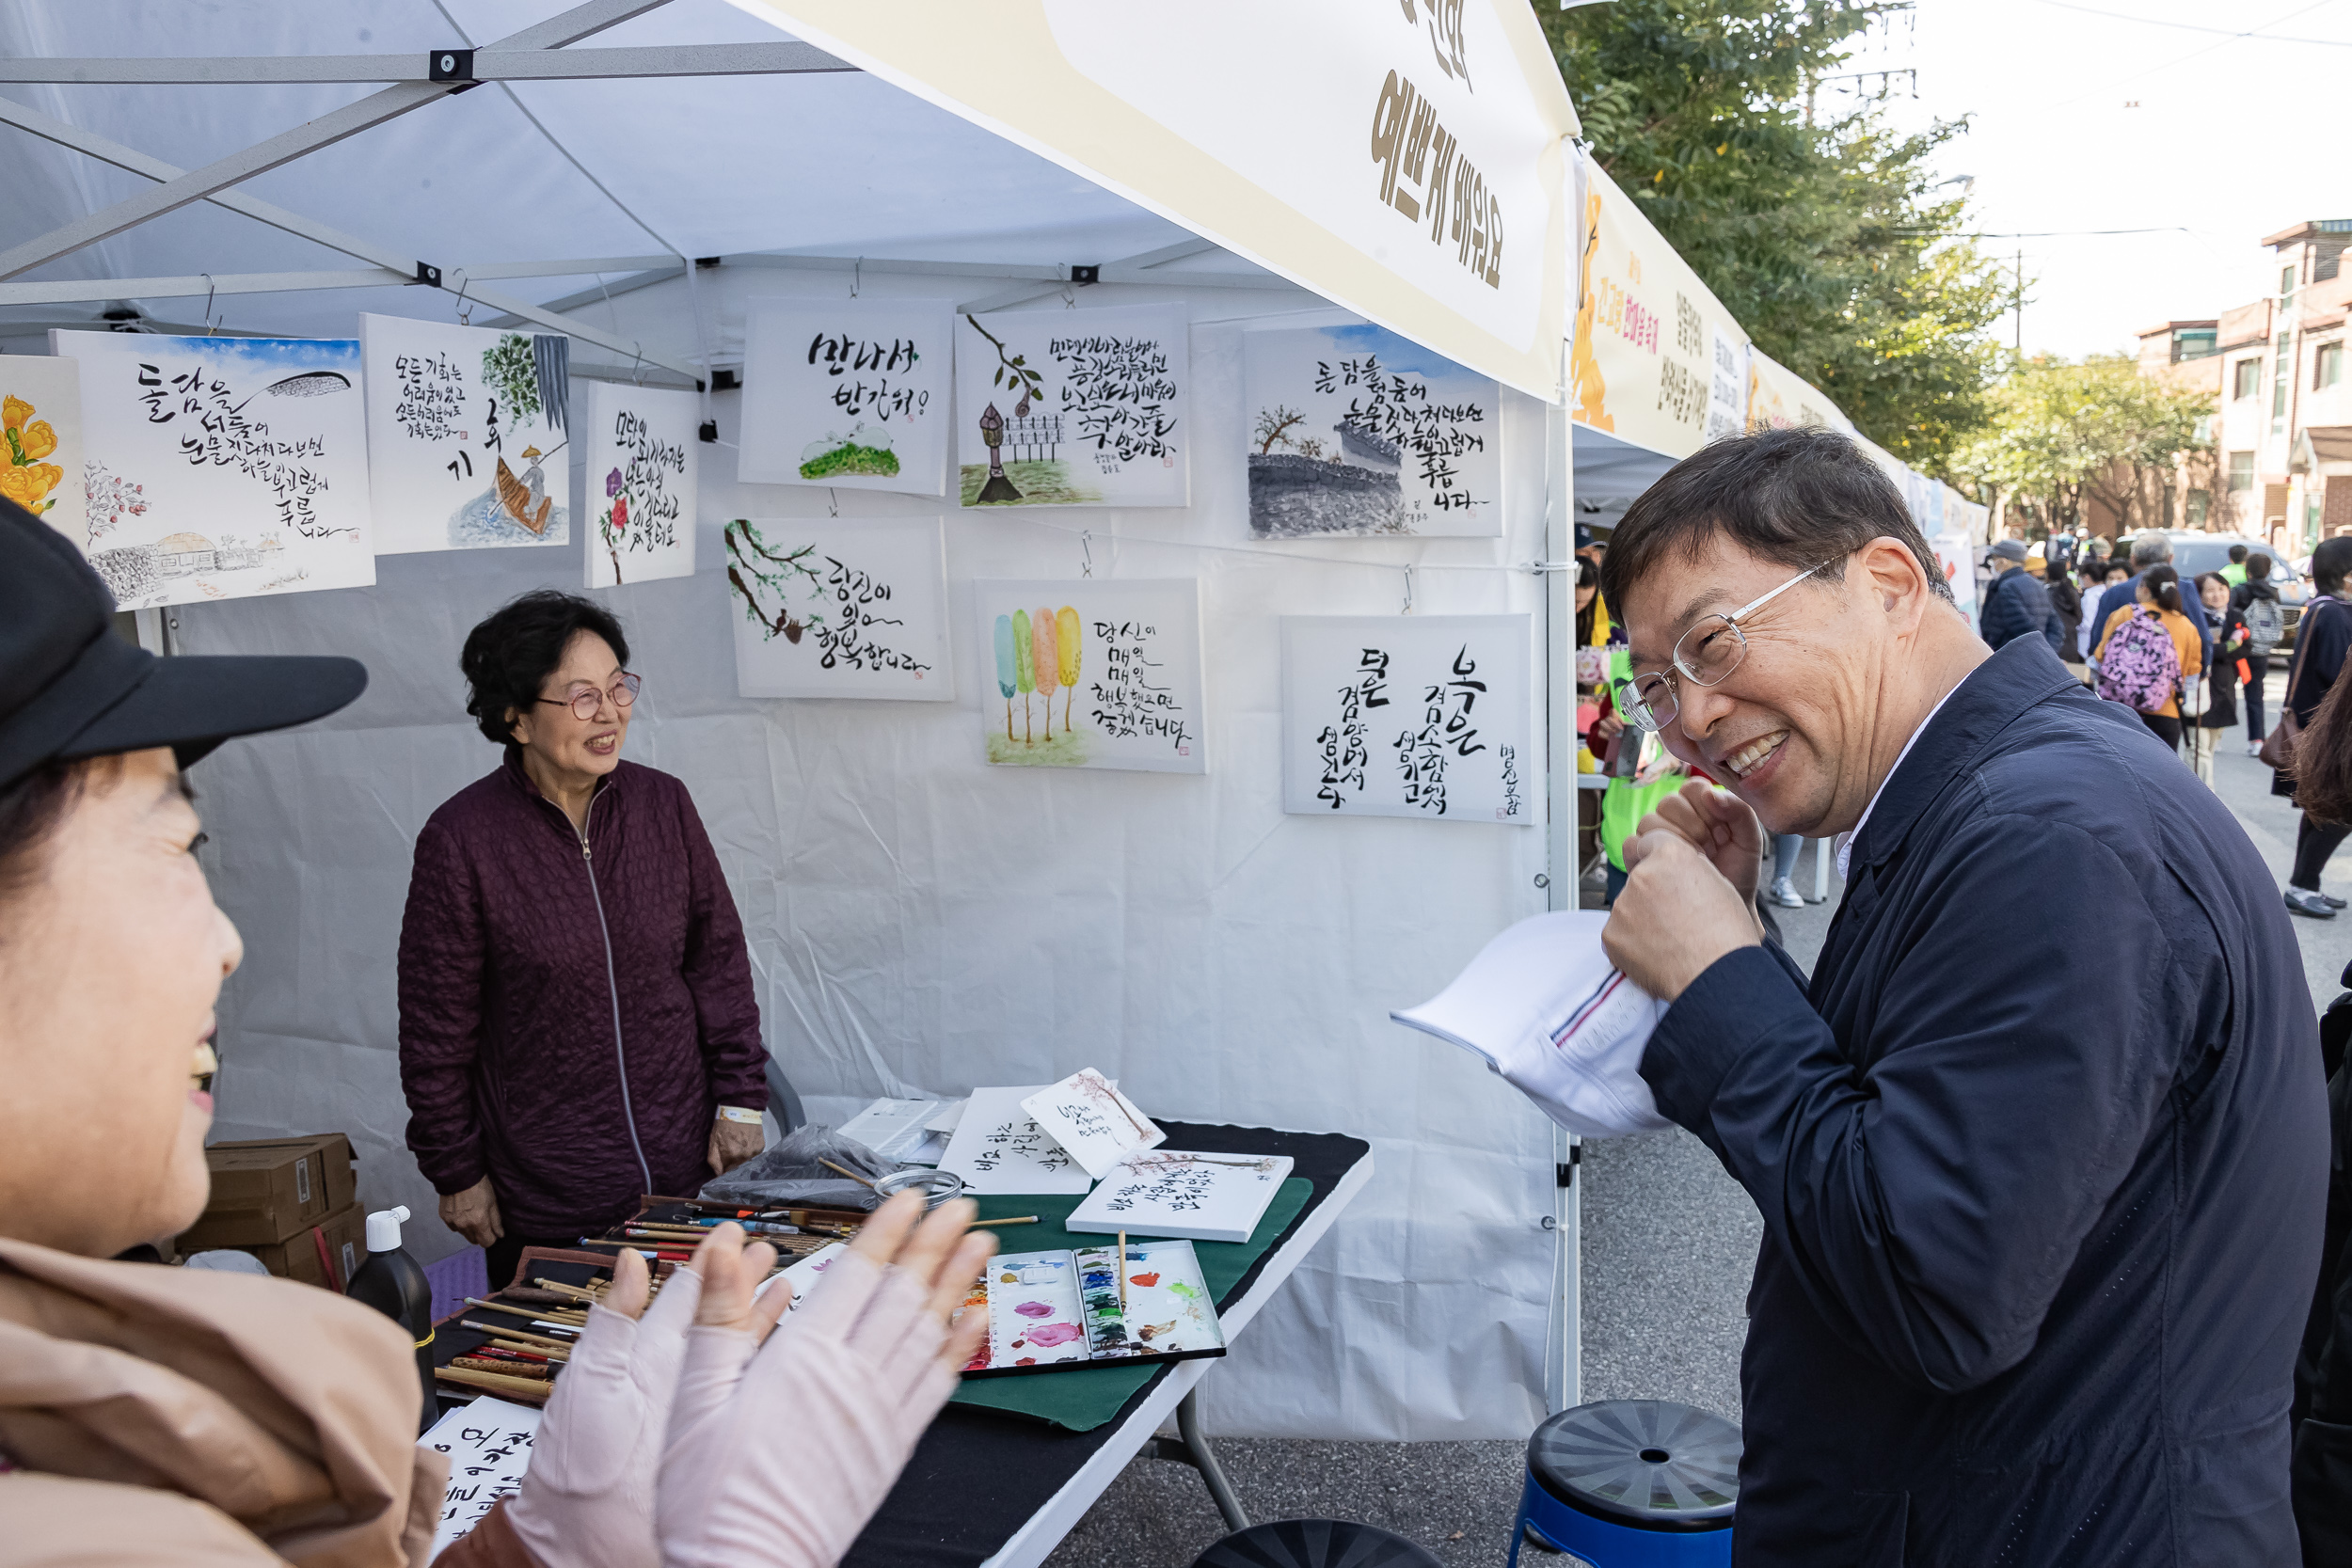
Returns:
(1058,407)
(468,435)
(1355,430)
(1092,673)
(644,460)
(848,393)
(1420,716)
(829,607)
(226,466)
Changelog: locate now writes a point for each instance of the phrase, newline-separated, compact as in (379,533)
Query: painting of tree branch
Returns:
(1058,407)
(832,606)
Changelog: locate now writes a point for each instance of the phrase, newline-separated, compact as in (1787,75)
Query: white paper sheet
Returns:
(466,436)
(1420,716)
(1355,430)
(1087,1115)
(848,393)
(999,1147)
(643,455)
(489,1443)
(827,608)
(1084,407)
(249,454)
(41,454)
(1166,1192)
(891,1127)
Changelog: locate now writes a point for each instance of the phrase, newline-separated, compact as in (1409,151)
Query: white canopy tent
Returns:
(917,920)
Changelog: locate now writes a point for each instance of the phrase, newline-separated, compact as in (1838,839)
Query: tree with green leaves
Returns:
(2063,434)
(1816,223)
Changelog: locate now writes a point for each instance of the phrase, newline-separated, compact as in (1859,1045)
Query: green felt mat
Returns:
(1082,1400)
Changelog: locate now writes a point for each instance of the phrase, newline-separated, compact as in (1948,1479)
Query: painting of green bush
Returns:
(1041,483)
(850,458)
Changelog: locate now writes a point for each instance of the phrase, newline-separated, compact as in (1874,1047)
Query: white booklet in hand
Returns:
(1088,1116)
(1542,1007)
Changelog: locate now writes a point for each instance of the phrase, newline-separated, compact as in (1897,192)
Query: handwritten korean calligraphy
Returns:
(839,608)
(1092,673)
(848,393)
(1074,407)
(1423,716)
(644,466)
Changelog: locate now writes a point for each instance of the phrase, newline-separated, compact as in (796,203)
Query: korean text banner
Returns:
(1656,360)
(1405,162)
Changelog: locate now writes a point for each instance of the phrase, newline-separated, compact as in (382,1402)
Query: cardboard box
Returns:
(265,1190)
(345,1233)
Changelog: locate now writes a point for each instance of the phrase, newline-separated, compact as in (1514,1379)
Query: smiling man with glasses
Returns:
(2036,1249)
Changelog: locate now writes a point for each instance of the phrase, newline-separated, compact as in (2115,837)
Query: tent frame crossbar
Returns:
(496,63)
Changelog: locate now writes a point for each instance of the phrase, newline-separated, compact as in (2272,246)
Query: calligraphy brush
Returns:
(499,1367)
(529,1390)
(554,1316)
(848,1172)
(547,1344)
(1022,1219)
(1122,1282)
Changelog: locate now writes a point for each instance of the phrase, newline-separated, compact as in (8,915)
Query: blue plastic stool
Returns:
(1314,1544)
(1631,1484)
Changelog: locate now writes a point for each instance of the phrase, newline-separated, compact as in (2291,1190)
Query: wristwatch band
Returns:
(738,1113)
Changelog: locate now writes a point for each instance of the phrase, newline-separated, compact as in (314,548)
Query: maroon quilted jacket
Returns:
(570,1022)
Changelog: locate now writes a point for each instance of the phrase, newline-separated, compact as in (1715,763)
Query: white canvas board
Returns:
(250,456)
(40,446)
(999,1147)
(644,448)
(1087,1115)
(468,438)
(850,393)
(1200,1197)
(1094,673)
(1355,430)
(891,1127)
(1421,716)
(829,607)
(1074,407)
(489,1444)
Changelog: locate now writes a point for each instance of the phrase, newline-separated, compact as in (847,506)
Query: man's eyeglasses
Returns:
(1705,654)
(586,702)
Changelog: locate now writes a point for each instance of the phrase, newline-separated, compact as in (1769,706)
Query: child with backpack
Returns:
(2146,655)
(2255,601)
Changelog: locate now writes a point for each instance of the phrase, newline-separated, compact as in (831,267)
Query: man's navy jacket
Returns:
(2016,606)
(2039,1235)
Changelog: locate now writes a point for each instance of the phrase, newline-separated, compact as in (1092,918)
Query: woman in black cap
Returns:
(182,1416)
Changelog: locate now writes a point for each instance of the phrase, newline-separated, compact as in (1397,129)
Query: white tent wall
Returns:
(919,919)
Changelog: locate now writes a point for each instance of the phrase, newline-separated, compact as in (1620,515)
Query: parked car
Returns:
(2195,554)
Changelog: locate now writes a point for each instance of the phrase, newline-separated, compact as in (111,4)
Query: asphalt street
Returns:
(1669,1241)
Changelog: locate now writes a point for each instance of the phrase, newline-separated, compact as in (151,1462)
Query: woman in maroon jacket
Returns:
(577,1020)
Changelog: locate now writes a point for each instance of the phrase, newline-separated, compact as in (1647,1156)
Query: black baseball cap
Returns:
(71,688)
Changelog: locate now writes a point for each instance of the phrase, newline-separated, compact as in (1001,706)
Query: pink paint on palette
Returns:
(1034,1310)
(1052,1334)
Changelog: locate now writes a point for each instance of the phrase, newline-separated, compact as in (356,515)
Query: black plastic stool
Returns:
(1314,1544)
(1632,1483)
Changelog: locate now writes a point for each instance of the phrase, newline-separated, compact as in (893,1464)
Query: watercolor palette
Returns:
(1054,1310)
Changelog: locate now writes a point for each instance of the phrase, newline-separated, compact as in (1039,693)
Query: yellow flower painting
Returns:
(27,480)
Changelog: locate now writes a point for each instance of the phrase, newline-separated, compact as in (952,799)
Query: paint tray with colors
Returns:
(1054,1310)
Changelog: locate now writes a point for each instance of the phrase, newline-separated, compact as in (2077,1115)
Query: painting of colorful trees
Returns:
(1039,654)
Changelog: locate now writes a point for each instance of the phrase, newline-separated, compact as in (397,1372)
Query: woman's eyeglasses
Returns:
(586,702)
(1706,654)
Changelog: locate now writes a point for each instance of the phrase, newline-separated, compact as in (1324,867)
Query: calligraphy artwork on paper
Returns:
(827,607)
(225,468)
(852,394)
(1420,716)
(644,455)
(41,444)
(1355,430)
(1061,408)
(1092,673)
(468,435)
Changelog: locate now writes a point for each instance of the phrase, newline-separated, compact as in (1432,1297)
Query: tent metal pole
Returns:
(692,59)
(81,290)
(196,184)
(1564,1363)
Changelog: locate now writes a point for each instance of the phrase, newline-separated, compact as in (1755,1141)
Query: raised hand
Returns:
(1715,822)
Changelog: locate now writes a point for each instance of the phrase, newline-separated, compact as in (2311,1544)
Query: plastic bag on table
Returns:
(790,1173)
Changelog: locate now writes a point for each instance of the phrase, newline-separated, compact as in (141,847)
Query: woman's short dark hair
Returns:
(2331,563)
(31,808)
(1798,497)
(510,655)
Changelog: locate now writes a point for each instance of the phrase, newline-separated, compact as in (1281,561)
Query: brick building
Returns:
(2283,427)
